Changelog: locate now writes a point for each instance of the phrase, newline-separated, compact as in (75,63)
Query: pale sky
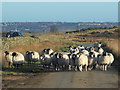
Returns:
(59,11)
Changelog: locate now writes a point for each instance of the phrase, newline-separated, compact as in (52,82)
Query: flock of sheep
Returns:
(76,58)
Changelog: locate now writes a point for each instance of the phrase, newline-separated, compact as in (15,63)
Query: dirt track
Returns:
(68,79)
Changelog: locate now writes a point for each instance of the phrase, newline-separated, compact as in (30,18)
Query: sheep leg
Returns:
(9,64)
(17,66)
(80,68)
(63,67)
(102,67)
(55,67)
(85,67)
(105,67)
(75,68)
(109,65)
(69,67)
(89,67)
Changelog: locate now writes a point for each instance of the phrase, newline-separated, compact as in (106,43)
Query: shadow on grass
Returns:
(26,68)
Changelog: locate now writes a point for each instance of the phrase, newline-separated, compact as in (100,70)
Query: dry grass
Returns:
(56,41)
(114,45)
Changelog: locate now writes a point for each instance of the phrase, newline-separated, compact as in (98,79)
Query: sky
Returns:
(59,11)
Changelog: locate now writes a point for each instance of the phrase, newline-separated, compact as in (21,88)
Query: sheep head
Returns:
(14,54)
(6,53)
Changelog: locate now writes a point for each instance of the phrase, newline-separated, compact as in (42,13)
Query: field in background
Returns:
(56,41)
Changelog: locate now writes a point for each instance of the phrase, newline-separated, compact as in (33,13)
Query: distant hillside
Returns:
(44,27)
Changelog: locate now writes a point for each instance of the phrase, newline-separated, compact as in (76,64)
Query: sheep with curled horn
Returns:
(32,56)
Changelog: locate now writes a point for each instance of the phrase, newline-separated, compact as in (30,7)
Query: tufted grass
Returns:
(57,41)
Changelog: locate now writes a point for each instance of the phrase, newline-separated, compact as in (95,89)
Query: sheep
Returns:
(72,61)
(111,59)
(80,61)
(63,61)
(8,57)
(91,49)
(46,60)
(47,51)
(100,50)
(70,48)
(81,47)
(55,61)
(97,44)
(32,56)
(18,59)
(105,60)
(91,61)
(43,51)
(73,49)
(85,52)
(87,48)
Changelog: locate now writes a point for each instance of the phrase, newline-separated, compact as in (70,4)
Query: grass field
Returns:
(56,41)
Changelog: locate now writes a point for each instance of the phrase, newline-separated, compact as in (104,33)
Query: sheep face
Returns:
(8,57)
(6,53)
(91,49)
(104,53)
(14,54)
(74,56)
(60,56)
(29,54)
(91,54)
